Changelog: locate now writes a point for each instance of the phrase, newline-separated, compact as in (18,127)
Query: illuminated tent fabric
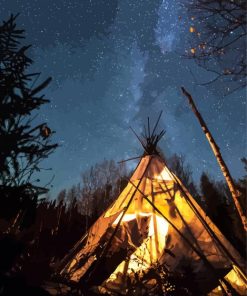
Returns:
(154,219)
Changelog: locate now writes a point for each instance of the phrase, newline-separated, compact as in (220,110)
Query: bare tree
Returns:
(184,172)
(217,153)
(73,195)
(61,197)
(218,39)
(100,185)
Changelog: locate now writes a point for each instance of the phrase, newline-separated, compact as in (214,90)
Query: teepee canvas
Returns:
(154,220)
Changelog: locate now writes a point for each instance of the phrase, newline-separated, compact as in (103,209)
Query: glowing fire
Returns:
(164,175)
(150,250)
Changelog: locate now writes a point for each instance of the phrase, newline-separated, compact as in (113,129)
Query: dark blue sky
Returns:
(113,64)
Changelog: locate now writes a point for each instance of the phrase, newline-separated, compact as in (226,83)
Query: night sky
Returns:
(113,64)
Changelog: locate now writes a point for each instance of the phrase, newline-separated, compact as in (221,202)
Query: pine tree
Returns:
(23,144)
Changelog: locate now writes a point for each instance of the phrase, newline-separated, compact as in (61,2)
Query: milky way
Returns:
(113,64)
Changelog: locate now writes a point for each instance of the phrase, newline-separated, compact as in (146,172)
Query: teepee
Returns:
(154,220)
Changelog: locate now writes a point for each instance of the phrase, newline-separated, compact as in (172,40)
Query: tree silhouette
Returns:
(23,143)
(218,39)
(184,172)
(61,196)
(101,184)
(216,205)
(242,186)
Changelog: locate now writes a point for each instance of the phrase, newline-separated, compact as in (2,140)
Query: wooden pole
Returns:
(216,150)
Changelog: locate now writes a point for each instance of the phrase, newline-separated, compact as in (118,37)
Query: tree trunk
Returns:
(216,150)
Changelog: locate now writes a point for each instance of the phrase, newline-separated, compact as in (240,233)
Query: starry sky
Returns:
(113,63)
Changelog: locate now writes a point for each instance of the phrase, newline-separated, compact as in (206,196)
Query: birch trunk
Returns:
(216,150)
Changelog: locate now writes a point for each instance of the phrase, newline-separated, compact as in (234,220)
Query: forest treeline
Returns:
(102,183)
(58,223)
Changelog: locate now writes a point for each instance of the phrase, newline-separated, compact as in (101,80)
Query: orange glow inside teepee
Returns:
(150,250)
